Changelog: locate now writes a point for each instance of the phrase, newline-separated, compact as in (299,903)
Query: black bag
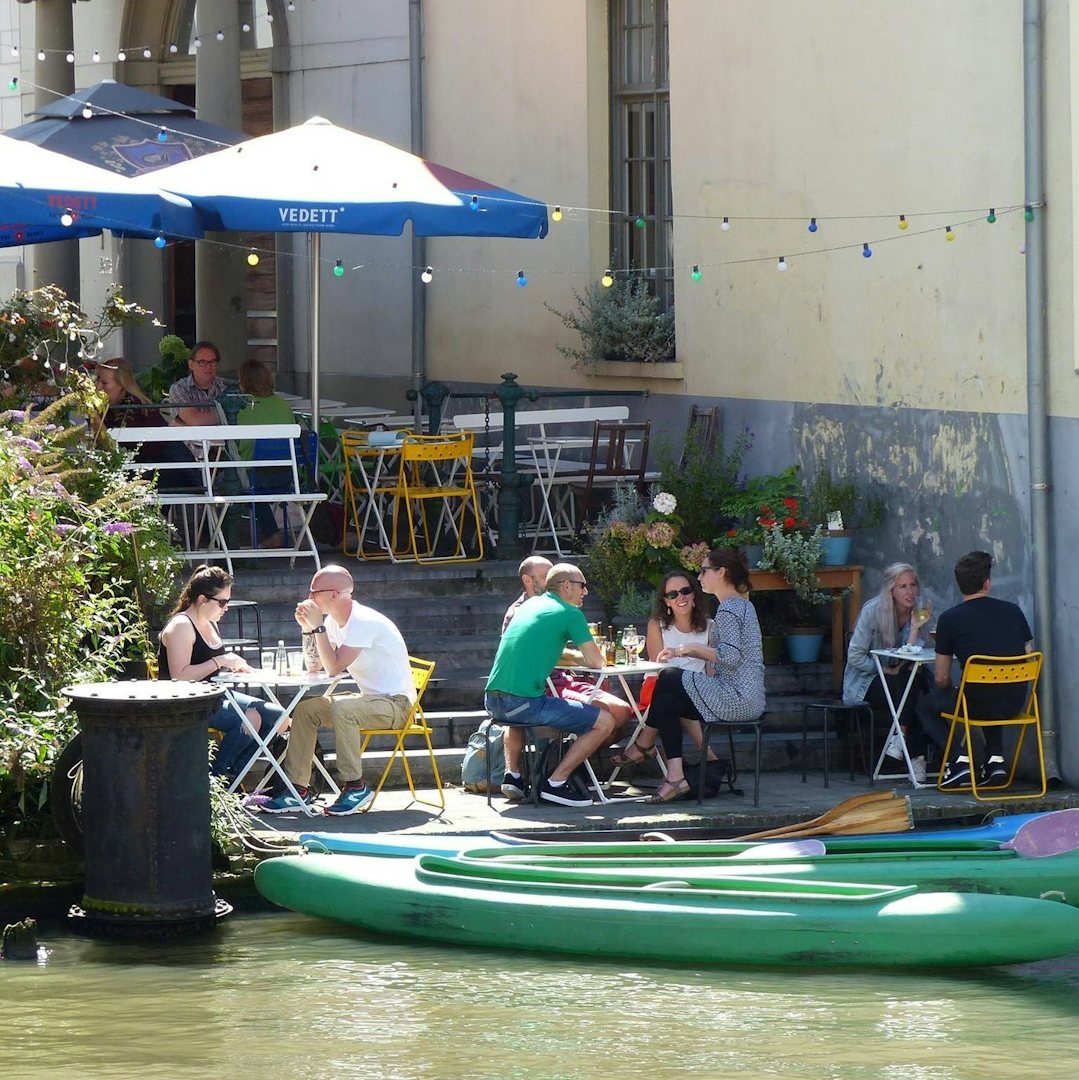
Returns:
(716,774)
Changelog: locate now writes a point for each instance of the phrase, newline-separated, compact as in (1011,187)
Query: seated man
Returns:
(979,626)
(529,650)
(533,574)
(197,392)
(367,644)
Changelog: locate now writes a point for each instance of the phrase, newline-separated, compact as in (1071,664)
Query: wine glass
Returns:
(631,643)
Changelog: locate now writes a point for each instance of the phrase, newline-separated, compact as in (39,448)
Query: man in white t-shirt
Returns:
(367,644)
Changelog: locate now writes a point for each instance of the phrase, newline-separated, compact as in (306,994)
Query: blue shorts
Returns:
(577,717)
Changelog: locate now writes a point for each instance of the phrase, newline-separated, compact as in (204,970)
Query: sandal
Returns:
(623,757)
(675,789)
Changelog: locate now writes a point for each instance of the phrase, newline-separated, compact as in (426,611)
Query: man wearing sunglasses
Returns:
(197,392)
(516,688)
(533,574)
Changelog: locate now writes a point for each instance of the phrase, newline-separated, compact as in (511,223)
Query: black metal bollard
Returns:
(146,806)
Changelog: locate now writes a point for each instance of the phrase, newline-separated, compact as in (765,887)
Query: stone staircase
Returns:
(452,615)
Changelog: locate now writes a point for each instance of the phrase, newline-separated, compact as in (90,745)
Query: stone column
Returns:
(56,263)
(221,268)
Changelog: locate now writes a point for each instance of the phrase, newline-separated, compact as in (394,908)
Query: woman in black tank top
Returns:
(191,651)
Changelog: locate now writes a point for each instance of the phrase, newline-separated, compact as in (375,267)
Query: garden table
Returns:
(916,658)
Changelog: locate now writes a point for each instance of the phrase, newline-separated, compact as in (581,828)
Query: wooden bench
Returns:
(223,480)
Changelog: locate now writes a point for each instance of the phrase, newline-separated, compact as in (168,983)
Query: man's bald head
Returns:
(332,578)
(533,573)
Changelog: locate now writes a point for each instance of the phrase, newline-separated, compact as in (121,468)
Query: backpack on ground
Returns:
(474,765)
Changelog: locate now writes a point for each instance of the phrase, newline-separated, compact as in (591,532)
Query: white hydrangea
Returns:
(665,503)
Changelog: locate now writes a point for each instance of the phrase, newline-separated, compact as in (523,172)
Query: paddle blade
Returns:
(792,849)
(838,812)
(1050,834)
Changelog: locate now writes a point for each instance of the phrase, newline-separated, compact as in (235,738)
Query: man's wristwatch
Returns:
(317,630)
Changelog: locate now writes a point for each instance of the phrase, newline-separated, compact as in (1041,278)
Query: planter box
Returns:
(626,370)
(804,643)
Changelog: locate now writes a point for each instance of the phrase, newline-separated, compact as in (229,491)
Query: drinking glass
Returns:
(296,663)
(922,611)
(266,659)
(631,642)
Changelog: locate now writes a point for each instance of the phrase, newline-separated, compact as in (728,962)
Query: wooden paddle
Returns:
(873,812)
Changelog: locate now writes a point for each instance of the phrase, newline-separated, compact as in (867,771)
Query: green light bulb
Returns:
(695,273)
(1028,214)
(992,217)
(338,269)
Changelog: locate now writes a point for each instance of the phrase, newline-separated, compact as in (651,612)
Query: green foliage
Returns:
(624,322)
(45,338)
(759,501)
(703,480)
(69,581)
(155,381)
(632,544)
(796,554)
(825,495)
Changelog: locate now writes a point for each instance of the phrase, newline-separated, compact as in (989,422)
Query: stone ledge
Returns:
(620,369)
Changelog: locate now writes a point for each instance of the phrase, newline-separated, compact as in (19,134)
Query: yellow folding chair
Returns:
(438,468)
(998,671)
(371,479)
(415,726)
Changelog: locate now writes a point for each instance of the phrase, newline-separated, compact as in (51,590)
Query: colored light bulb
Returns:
(172,48)
(607,280)
(725,224)
(1028,213)
(159,241)
(67,219)
(867,251)
(903,223)
(338,269)
(121,56)
(556,214)
(246,28)
(522,281)
(695,273)
(427,275)
(948,234)
(991,217)
(252,258)
(146,54)
(812,224)
(781,266)
(639,222)
(162,135)
(13,82)
(474,203)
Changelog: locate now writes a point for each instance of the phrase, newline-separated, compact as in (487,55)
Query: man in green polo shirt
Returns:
(530,648)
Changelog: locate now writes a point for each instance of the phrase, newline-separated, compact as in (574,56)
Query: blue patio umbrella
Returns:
(123,129)
(317,177)
(47,196)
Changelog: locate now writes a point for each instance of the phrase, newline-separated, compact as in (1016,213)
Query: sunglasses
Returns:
(204,363)
(217,600)
(685,590)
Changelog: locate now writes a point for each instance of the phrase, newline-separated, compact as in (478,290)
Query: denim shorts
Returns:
(577,717)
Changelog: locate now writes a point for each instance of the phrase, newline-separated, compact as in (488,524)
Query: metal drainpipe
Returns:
(419,243)
(1037,408)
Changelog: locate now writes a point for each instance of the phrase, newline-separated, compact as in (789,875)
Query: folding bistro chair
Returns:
(611,461)
(371,481)
(438,469)
(998,671)
(415,726)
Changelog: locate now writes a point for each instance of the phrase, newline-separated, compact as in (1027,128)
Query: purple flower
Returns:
(63,530)
(14,414)
(119,528)
(23,464)
(28,444)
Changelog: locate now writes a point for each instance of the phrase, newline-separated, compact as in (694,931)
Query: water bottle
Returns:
(280,659)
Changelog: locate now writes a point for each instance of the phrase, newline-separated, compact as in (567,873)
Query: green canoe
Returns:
(951,869)
(769,921)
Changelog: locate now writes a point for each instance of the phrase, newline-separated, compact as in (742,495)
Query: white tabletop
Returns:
(262,677)
(642,667)
(357,412)
(918,656)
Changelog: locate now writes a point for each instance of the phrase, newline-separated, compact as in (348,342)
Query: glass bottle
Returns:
(280,659)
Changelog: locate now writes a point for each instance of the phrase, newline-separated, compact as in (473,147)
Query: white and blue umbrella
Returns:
(319,178)
(48,196)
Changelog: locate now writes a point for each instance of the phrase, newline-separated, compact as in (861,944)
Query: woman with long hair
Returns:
(730,686)
(890,619)
(191,650)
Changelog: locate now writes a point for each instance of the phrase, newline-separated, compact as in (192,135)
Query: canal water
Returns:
(278,995)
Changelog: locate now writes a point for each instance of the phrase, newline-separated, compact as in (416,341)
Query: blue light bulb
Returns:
(162,135)
(522,281)
(812,224)
(474,203)
(867,251)
(159,241)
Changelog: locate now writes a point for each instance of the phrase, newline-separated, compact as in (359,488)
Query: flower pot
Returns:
(772,648)
(837,546)
(804,643)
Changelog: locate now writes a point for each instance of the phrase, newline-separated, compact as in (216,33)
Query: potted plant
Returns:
(840,508)
(796,554)
(623,322)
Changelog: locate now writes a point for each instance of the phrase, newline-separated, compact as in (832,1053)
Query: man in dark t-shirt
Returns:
(980,626)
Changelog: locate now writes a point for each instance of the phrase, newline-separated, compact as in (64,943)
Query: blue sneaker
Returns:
(287,803)
(352,800)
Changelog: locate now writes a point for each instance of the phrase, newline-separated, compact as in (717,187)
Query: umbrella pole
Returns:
(316,260)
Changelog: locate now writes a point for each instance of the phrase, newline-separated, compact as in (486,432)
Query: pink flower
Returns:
(660,535)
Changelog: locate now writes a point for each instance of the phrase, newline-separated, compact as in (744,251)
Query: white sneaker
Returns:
(894,747)
(918,765)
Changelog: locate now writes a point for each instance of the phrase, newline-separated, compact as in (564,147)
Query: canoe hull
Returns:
(803,927)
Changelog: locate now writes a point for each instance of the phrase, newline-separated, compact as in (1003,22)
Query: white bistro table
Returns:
(620,672)
(916,658)
(271,682)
